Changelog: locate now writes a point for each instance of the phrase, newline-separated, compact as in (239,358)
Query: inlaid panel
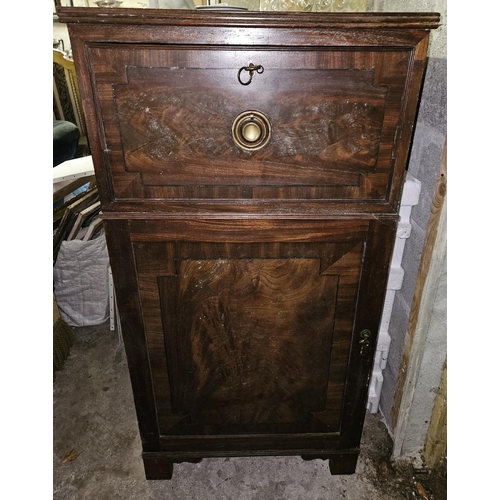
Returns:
(170,123)
(168,118)
(248,340)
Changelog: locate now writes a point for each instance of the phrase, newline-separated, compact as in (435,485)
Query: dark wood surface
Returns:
(121,43)
(247,281)
(254,301)
(168,116)
(165,17)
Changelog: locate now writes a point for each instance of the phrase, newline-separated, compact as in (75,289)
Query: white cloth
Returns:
(81,282)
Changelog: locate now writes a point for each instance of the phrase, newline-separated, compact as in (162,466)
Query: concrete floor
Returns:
(94,415)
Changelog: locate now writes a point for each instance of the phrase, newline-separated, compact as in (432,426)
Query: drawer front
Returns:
(169,116)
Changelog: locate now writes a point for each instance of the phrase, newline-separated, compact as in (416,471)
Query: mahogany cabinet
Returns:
(250,167)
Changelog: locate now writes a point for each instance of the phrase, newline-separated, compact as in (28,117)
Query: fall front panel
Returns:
(169,114)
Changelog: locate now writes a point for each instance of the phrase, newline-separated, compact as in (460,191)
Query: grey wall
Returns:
(425,160)
(413,434)
(427,150)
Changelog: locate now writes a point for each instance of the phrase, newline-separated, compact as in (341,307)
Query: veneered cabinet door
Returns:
(251,327)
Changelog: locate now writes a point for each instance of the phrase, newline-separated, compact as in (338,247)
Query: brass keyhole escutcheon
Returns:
(364,342)
(251,130)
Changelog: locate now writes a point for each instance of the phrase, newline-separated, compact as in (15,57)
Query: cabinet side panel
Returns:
(124,277)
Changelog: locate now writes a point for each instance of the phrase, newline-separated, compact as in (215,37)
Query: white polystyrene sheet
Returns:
(72,169)
(81,282)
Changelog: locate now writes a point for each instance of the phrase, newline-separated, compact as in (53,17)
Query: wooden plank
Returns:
(436,440)
(65,187)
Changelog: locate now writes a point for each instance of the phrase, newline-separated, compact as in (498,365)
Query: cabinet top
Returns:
(366,20)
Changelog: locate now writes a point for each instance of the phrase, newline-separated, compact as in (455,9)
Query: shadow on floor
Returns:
(97,449)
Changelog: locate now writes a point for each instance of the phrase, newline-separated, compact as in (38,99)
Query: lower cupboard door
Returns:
(252,329)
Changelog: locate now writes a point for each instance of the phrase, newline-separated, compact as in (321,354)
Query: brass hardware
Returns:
(364,342)
(252,69)
(251,130)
